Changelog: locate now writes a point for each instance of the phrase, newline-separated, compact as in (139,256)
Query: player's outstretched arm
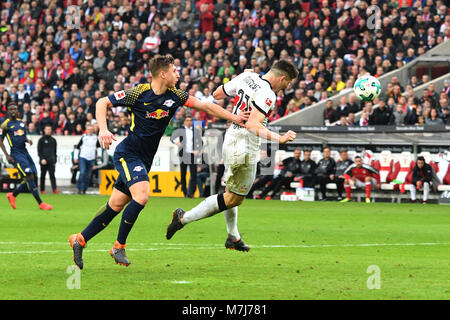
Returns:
(255,125)
(217,111)
(105,137)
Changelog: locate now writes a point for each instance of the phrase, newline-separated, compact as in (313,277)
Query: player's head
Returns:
(358,161)
(163,69)
(89,129)
(283,72)
(326,152)
(13,110)
(48,130)
(306,154)
(188,122)
(297,153)
(344,154)
(420,162)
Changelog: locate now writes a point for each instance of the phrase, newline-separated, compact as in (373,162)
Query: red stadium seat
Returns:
(447,176)
(402,171)
(445,186)
(384,166)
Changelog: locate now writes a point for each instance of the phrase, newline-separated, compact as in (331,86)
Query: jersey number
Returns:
(241,103)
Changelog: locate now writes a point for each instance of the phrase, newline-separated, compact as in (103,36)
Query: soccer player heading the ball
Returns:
(152,106)
(241,147)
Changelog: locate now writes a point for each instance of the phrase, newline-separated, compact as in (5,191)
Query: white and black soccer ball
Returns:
(367,88)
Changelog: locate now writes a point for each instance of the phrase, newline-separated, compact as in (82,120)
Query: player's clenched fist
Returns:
(242,118)
(106,138)
(288,136)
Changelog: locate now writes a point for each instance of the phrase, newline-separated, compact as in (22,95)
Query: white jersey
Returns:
(241,147)
(250,91)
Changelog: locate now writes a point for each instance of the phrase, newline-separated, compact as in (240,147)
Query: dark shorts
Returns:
(131,167)
(24,164)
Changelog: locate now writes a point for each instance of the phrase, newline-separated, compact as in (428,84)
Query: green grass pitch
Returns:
(299,251)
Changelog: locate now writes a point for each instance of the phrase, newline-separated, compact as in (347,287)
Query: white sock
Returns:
(412,188)
(426,191)
(231,218)
(204,209)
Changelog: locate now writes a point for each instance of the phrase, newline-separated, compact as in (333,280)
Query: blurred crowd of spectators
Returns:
(56,72)
(396,106)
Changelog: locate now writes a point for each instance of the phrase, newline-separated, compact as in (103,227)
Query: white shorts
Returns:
(240,159)
(362,184)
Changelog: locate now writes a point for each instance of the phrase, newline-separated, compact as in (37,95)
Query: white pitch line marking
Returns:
(181,282)
(173,246)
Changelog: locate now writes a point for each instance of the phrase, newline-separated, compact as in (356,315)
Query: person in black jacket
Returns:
(291,167)
(325,171)
(47,157)
(382,115)
(189,150)
(422,176)
(307,168)
(329,114)
(343,163)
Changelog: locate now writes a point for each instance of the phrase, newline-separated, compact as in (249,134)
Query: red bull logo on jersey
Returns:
(157,114)
(19,132)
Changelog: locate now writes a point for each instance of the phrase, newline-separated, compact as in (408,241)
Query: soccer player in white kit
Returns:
(241,147)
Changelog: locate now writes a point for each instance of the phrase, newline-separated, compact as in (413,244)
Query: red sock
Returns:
(348,191)
(368,189)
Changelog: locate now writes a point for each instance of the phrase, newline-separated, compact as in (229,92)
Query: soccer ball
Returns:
(367,88)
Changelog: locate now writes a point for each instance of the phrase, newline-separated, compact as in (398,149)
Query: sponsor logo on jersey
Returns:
(158,114)
(119,95)
(138,169)
(268,102)
(168,103)
(19,132)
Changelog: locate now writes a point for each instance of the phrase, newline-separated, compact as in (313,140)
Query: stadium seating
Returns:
(401,172)
(384,165)
(393,167)
(444,175)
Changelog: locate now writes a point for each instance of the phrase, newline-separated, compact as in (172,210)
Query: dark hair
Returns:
(12,104)
(326,147)
(159,62)
(307,150)
(285,67)
(358,157)
(421,158)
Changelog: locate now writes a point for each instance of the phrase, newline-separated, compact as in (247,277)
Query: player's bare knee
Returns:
(232,200)
(141,198)
(116,205)
(238,201)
